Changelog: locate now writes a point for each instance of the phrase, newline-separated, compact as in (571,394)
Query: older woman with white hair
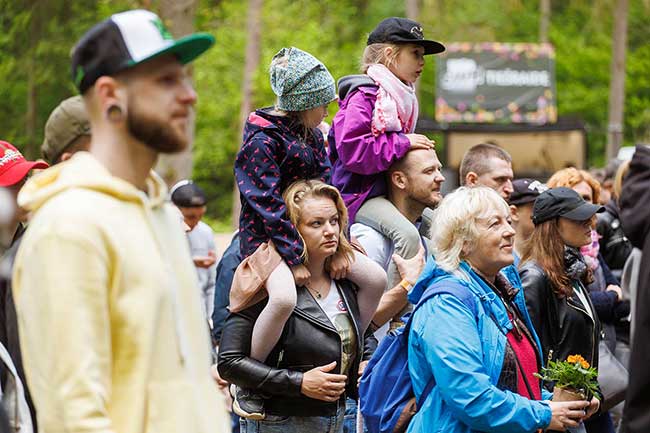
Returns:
(471,344)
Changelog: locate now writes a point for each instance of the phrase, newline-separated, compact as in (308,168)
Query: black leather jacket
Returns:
(562,324)
(308,340)
(614,245)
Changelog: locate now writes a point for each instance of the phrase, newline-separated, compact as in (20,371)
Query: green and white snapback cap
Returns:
(128,39)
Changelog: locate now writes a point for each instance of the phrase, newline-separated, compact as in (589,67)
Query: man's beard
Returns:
(423,199)
(154,133)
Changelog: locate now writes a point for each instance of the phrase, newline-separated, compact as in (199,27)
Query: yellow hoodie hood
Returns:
(84,171)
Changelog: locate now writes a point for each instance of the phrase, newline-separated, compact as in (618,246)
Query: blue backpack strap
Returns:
(445,286)
(453,287)
(425,393)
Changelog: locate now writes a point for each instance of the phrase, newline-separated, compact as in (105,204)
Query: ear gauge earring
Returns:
(114,113)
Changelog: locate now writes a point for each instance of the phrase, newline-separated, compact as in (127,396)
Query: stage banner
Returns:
(494,82)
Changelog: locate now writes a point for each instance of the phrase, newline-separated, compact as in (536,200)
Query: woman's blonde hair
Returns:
(295,195)
(620,176)
(455,223)
(376,53)
(570,177)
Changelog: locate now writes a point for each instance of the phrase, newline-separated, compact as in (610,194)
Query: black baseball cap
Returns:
(397,30)
(128,39)
(563,202)
(187,194)
(525,191)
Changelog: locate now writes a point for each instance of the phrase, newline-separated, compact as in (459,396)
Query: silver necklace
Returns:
(317,293)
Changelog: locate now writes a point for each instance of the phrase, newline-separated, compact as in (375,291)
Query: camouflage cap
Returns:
(67,122)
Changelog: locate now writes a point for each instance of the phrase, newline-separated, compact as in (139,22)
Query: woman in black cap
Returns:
(554,276)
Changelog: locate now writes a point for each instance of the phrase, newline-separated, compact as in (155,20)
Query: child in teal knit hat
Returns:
(281,145)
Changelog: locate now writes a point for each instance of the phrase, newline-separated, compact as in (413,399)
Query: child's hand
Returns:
(410,269)
(301,274)
(419,141)
(339,266)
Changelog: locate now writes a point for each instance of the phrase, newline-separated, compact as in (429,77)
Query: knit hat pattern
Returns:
(300,81)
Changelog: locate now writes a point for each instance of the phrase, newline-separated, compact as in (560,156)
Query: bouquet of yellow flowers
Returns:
(574,375)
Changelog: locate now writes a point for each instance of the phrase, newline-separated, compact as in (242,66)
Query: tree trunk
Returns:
(253,24)
(544,20)
(617,83)
(412,13)
(31,118)
(412,9)
(179,16)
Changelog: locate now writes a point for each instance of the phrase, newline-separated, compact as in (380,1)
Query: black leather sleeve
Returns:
(369,345)
(536,291)
(235,365)
(533,282)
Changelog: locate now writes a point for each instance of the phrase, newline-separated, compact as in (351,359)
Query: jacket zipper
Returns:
(615,241)
(594,330)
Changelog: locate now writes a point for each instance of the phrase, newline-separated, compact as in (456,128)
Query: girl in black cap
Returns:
(554,277)
(375,127)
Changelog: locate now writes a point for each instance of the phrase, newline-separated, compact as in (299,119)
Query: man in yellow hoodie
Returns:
(110,323)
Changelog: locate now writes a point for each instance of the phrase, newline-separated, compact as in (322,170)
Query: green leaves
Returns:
(573,374)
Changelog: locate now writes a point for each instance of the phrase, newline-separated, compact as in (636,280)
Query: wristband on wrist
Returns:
(406,285)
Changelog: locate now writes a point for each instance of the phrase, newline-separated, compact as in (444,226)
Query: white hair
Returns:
(454,230)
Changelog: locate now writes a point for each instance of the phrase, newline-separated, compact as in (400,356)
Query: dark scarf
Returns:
(574,264)
(503,288)
(509,371)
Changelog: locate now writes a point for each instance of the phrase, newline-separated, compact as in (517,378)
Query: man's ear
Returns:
(398,179)
(471,178)
(514,213)
(109,92)
(105,88)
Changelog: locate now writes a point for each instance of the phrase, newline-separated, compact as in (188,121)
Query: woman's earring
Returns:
(114,113)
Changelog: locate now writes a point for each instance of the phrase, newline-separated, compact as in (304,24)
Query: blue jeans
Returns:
(296,424)
(234,422)
(350,419)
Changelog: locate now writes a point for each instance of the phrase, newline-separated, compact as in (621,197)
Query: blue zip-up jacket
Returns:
(466,353)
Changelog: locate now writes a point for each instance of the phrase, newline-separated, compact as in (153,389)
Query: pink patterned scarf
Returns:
(590,251)
(396,108)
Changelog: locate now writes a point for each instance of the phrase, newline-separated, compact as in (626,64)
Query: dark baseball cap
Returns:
(525,191)
(127,39)
(187,194)
(563,202)
(397,30)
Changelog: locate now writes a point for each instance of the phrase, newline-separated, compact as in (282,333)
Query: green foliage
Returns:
(35,43)
(574,374)
(36,38)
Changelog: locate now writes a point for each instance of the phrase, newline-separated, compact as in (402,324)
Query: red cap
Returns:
(13,165)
